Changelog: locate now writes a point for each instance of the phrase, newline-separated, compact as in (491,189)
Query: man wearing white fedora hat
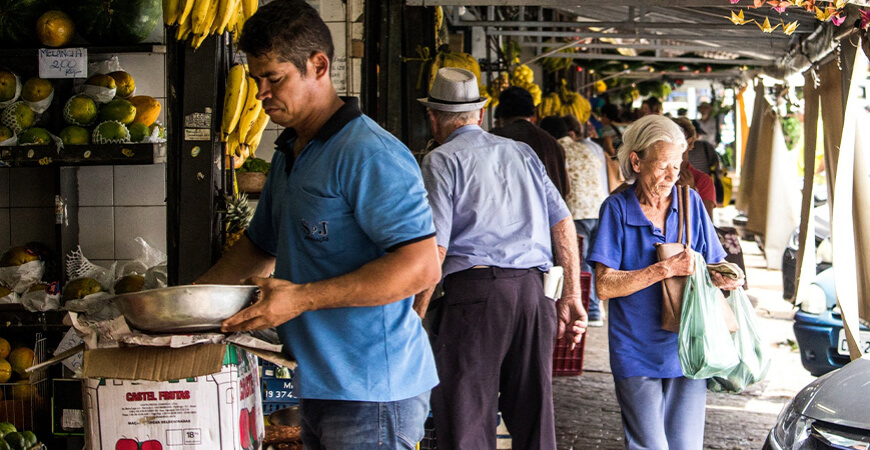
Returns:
(497,216)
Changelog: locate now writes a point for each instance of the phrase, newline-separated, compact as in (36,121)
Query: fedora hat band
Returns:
(448,102)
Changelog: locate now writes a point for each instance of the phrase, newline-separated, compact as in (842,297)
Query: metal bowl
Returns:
(184,309)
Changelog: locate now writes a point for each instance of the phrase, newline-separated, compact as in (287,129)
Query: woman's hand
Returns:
(681,264)
(725,283)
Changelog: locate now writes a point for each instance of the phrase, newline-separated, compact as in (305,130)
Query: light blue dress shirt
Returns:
(492,202)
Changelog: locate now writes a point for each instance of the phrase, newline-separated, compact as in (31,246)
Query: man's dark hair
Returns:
(610,111)
(555,126)
(291,30)
(651,101)
(573,125)
(515,102)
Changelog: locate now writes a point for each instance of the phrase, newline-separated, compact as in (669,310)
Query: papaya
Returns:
(147,109)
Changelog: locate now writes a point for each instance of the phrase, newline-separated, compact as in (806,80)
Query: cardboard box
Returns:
(157,398)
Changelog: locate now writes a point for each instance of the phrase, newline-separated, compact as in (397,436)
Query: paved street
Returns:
(587,414)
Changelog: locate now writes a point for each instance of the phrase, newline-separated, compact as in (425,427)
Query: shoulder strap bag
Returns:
(673,288)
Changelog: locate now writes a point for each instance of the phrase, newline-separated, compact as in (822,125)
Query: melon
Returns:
(18,21)
(110,132)
(116,22)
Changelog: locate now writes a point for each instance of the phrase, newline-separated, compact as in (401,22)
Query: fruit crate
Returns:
(25,402)
(567,362)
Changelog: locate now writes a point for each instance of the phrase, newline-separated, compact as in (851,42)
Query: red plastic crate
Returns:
(567,362)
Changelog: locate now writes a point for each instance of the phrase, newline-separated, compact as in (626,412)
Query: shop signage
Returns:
(63,63)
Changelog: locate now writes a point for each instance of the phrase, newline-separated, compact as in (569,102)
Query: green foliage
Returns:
(791,129)
(255,165)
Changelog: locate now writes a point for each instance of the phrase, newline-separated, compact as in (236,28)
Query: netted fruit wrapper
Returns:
(97,306)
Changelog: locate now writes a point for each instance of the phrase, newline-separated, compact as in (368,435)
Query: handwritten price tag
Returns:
(63,63)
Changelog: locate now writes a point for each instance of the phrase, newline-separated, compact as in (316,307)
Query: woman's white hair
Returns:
(641,135)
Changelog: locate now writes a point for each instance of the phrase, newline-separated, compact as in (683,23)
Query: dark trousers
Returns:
(494,333)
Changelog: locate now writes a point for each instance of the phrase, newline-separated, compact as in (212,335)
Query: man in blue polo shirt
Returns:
(344,223)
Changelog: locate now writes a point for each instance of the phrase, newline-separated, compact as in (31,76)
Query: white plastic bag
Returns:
(21,278)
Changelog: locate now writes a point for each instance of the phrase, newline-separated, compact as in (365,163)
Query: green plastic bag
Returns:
(706,348)
(754,361)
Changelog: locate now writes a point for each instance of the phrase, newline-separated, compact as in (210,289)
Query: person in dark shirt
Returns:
(514,114)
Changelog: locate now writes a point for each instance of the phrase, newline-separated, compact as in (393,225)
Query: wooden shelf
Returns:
(92,49)
(82,155)
(16,315)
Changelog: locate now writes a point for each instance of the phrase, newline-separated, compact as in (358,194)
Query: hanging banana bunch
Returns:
(498,85)
(198,19)
(523,77)
(551,64)
(243,119)
(575,104)
(551,105)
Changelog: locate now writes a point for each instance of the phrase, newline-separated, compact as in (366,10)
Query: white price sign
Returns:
(63,63)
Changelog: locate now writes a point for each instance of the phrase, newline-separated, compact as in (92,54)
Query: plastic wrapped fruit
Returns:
(81,288)
(17,256)
(129,283)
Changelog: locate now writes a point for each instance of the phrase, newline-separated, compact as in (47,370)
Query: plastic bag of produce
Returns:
(143,272)
(88,289)
(753,359)
(42,297)
(7,295)
(706,348)
(21,268)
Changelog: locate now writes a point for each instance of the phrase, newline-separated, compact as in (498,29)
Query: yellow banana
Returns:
(251,110)
(170,12)
(197,40)
(237,22)
(184,9)
(233,143)
(234,99)
(200,15)
(252,139)
(225,13)
(249,7)
(183,30)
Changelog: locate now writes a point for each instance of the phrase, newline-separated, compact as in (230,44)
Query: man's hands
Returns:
(280,301)
(572,318)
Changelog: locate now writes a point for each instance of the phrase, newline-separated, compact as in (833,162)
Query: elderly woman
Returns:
(661,409)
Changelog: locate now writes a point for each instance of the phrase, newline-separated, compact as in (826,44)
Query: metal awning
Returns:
(655,31)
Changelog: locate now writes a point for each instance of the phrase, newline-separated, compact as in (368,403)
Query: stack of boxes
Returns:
(277,384)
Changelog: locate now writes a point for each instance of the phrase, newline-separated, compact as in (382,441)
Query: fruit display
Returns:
(243,120)
(198,19)
(104,111)
(13,439)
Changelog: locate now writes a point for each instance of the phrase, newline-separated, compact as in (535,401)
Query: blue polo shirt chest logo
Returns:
(316,233)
